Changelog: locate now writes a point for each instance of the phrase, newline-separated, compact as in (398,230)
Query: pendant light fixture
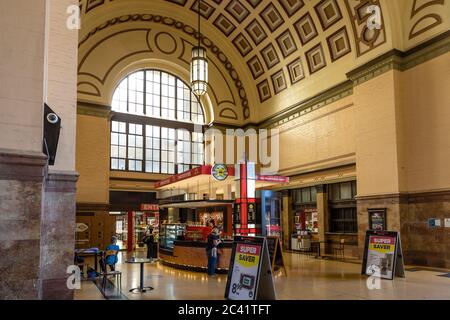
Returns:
(199,65)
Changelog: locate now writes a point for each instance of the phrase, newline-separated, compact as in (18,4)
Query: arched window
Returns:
(153,122)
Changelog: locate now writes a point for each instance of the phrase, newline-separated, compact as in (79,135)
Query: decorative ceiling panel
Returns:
(296,37)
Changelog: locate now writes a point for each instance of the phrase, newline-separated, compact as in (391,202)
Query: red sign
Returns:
(183,176)
(279,179)
(149,207)
(206,170)
(248,249)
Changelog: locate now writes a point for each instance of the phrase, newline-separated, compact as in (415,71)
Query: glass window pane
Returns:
(114,164)
(114,151)
(121,164)
(122,152)
(334,192)
(139,154)
(139,142)
(114,138)
(346,190)
(313,194)
(306,195)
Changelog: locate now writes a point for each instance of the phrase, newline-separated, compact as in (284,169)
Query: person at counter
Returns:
(211,224)
(211,250)
(149,239)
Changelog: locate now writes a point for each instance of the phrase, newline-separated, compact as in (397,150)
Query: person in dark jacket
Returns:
(211,250)
(149,240)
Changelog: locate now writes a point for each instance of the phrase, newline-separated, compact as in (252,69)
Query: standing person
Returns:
(149,239)
(211,224)
(211,250)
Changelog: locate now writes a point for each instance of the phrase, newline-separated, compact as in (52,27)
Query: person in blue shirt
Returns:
(110,260)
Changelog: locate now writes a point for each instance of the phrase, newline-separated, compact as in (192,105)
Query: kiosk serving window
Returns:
(155,125)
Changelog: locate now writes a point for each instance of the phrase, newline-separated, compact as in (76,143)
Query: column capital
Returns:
(321,188)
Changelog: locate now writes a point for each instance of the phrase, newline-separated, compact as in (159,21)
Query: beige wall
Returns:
(37,64)
(323,138)
(61,78)
(424,96)
(402,121)
(376,135)
(22,52)
(92,162)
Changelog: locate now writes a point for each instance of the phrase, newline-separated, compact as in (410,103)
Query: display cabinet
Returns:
(168,233)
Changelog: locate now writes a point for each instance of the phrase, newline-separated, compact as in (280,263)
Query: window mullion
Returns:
(128,94)
(145,93)
(127,129)
(176,99)
(160,94)
(144,145)
(190,106)
(160,150)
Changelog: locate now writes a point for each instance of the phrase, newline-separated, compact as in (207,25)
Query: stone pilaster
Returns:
(322,212)
(287,219)
(423,245)
(408,213)
(395,205)
(21,199)
(57,234)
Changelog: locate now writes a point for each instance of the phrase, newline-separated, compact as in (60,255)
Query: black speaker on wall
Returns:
(52,128)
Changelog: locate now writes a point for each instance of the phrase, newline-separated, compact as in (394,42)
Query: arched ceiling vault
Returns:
(265,55)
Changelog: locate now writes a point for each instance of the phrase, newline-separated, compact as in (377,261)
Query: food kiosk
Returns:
(183,244)
(190,201)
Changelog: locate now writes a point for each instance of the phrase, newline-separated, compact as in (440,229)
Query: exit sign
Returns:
(149,207)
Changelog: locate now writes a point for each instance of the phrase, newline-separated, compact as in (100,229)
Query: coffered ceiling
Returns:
(268,54)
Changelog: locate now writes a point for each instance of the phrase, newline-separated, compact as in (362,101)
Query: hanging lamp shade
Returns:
(199,71)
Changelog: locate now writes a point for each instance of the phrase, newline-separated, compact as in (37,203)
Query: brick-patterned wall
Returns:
(423,245)
(318,138)
(93,136)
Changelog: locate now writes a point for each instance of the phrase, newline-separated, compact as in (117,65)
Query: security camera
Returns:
(52,118)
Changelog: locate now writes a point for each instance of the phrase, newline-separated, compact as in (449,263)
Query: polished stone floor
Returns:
(308,279)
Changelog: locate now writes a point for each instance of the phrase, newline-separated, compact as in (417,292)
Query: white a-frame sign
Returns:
(250,275)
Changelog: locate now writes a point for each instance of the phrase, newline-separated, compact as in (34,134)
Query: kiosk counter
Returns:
(191,255)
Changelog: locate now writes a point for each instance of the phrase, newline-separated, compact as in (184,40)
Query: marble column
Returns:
(57,234)
(21,198)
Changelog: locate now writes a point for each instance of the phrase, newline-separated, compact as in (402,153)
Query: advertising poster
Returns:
(377,219)
(381,256)
(245,271)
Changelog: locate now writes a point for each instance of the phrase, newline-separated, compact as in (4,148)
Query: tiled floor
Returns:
(308,279)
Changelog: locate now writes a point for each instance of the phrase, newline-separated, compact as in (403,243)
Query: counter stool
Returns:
(116,274)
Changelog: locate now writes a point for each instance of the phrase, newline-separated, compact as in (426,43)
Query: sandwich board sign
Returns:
(383,256)
(275,253)
(250,273)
